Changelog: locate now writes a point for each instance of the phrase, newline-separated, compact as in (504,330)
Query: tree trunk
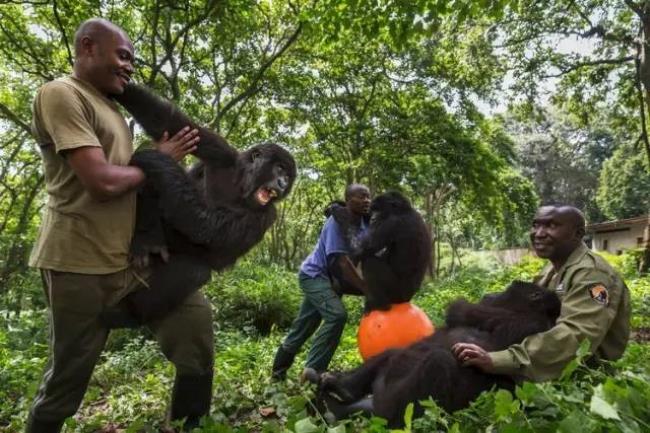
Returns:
(644,263)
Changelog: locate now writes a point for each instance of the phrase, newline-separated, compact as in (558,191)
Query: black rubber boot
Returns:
(191,399)
(282,362)
(35,425)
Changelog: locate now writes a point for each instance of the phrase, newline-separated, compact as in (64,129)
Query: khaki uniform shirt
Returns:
(595,306)
(78,233)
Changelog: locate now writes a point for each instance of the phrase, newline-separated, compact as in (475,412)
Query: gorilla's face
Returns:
(265,174)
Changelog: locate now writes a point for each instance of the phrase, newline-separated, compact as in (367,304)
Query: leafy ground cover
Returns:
(253,306)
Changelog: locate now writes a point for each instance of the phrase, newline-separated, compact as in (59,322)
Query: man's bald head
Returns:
(357,198)
(557,230)
(355,188)
(96,30)
(103,56)
(572,215)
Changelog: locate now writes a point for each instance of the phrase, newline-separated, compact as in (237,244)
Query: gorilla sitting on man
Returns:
(394,253)
(385,384)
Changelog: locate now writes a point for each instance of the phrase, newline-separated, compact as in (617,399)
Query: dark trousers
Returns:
(320,303)
(77,335)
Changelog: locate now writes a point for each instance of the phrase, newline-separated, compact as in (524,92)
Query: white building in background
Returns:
(617,236)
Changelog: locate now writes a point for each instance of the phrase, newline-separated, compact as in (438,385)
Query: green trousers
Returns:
(320,303)
(77,336)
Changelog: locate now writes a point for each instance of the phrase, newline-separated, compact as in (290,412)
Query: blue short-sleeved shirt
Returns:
(330,241)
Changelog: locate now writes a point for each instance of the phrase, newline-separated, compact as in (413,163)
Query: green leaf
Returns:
(574,422)
(305,425)
(338,429)
(601,407)
(504,405)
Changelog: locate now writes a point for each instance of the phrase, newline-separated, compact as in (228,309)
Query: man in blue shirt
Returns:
(321,302)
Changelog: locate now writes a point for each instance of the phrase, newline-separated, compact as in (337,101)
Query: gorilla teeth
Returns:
(263,196)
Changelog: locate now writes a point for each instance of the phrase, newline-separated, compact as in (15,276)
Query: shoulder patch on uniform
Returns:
(598,293)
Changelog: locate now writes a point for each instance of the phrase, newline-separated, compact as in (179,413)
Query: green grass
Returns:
(254,305)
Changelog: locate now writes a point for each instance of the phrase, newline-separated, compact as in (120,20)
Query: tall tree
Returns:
(595,50)
(564,160)
(624,184)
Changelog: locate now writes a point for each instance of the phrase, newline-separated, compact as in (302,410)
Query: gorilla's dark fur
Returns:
(395,251)
(429,369)
(205,218)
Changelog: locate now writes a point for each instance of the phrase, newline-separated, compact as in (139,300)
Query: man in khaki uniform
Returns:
(83,243)
(595,304)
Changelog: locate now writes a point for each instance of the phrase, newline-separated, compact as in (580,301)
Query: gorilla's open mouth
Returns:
(264,195)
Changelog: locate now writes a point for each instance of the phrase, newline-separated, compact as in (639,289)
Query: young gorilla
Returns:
(429,369)
(394,253)
(192,223)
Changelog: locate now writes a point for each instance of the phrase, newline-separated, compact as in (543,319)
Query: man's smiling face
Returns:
(555,233)
(113,63)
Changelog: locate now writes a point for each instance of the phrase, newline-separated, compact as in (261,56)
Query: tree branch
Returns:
(635,7)
(581,65)
(64,37)
(580,12)
(10,115)
(254,85)
(642,114)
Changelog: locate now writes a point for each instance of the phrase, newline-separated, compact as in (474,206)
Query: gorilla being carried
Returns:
(385,384)
(189,223)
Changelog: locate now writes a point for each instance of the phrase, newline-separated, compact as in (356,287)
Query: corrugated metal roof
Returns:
(622,223)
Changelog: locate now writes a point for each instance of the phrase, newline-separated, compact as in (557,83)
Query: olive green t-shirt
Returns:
(595,306)
(78,233)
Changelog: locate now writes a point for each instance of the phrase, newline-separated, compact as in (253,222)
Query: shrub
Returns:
(255,298)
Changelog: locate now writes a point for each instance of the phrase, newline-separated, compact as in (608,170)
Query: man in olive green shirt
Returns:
(595,304)
(83,244)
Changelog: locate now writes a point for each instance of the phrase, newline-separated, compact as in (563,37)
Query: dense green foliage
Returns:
(130,387)
(388,93)
(395,94)
(624,184)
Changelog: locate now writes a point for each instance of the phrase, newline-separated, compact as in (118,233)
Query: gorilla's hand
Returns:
(334,209)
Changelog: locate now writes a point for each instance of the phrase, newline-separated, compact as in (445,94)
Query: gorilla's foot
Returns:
(310,375)
(343,410)
(330,383)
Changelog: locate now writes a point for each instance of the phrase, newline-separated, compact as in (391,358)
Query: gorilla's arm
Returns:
(484,317)
(514,331)
(506,327)
(219,227)
(157,115)
(380,236)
